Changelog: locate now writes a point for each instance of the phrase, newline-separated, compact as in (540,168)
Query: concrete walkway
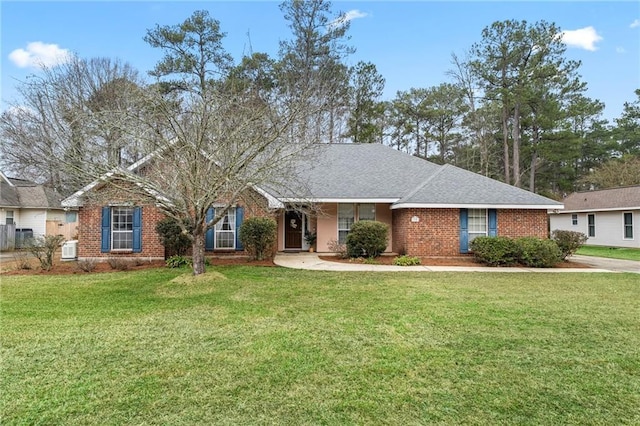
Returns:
(311,261)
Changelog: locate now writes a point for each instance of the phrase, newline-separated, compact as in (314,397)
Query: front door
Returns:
(292,230)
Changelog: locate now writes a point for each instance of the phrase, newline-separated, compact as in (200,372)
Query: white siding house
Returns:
(32,206)
(609,217)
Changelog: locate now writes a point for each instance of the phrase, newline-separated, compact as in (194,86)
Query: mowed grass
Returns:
(250,345)
(611,252)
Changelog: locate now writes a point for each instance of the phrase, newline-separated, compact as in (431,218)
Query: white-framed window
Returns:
(628,225)
(345,221)
(477,223)
(591,225)
(366,211)
(8,219)
(122,228)
(225,231)
(574,219)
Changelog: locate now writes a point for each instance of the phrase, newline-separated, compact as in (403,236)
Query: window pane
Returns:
(122,228)
(345,216)
(342,237)
(628,225)
(225,231)
(574,219)
(367,212)
(477,221)
(591,220)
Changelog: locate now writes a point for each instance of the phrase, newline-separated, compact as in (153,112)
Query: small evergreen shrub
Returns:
(367,238)
(495,251)
(405,260)
(178,261)
(538,253)
(174,240)
(258,236)
(568,241)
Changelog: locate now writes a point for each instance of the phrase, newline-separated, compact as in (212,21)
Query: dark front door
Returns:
(292,230)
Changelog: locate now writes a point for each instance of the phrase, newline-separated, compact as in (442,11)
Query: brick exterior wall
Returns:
(437,231)
(523,223)
(90,223)
(89,233)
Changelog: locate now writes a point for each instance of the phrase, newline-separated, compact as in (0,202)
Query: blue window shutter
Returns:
(493,222)
(239,220)
(464,231)
(209,236)
(137,229)
(105,235)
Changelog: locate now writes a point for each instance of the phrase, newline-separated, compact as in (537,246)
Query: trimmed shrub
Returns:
(172,238)
(568,241)
(367,238)
(495,251)
(258,236)
(406,261)
(538,253)
(119,264)
(87,265)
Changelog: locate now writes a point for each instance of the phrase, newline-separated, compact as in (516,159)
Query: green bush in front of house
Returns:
(495,251)
(258,236)
(568,241)
(175,241)
(367,238)
(538,253)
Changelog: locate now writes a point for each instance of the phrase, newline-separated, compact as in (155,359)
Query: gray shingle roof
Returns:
(604,199)
(26,194)
(374,171)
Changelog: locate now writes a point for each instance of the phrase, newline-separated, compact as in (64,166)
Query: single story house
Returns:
(29,205)
(609,217)
(431,210)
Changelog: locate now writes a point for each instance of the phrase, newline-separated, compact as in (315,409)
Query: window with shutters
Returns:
(225,231)
(477,223)
(122,228)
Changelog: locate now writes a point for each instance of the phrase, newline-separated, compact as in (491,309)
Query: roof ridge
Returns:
(591,191)
(423,184)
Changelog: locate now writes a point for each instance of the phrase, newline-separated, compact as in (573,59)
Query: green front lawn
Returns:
(254,345)
(610,252)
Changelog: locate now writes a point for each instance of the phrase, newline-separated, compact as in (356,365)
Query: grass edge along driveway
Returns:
(251,345)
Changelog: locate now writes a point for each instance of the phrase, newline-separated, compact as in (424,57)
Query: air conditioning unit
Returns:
(70,250)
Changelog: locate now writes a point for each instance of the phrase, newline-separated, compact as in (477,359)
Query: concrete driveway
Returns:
(617,265)
(311,261)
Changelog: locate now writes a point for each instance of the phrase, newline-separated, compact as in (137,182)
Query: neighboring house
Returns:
(431,210)
(32,206)
(609,217)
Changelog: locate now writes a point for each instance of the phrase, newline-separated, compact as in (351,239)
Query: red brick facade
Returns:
(90,224)
(436,232)
(89,233)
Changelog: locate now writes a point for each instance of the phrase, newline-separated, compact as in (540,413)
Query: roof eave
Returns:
(477,206)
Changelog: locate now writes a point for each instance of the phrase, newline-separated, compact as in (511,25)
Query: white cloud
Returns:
(584,38)
(348,16)
(635,24)
(38,55)
(620,50)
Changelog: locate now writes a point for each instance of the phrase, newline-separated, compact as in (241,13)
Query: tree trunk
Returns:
(516,146)
(505,143)
(197,248)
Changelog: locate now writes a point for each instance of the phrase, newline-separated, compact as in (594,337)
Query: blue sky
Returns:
(410,42)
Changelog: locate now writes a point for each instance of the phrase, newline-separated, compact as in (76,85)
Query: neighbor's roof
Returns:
(378,173)
(624,198)
(20,193)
